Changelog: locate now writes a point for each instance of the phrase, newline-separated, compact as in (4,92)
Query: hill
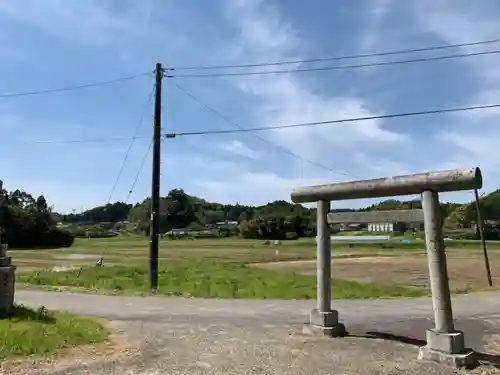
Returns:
(180,210)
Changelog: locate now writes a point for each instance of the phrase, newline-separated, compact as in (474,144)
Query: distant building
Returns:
(227,225)
(185,231)
(387,227)
(207,232)
(377,221)
(177,231)
(487,223)
(351,227)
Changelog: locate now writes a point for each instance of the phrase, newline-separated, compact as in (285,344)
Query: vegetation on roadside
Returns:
(211,279)
(40,332)
(29,222)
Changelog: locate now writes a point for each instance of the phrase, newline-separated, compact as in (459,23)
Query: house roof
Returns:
(390,216)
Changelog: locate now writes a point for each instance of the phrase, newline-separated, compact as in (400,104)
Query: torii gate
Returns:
(444,343)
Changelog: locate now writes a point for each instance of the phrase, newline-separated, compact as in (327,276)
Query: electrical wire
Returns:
(141,167)
(353,119)
(89,140)
(234,123)
(75,87)
(337,58)
(338,67)
(127,154)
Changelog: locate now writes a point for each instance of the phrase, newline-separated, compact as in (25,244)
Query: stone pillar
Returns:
(324,320)
(444,343)
(7,281)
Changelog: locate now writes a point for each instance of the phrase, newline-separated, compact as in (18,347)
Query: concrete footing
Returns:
(447,348)
(324,324)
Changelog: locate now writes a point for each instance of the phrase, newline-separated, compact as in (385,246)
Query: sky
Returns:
(57,43)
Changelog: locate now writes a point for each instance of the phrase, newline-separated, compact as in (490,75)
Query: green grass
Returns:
(133,251)
(40,332)
(211,279)
(220,275)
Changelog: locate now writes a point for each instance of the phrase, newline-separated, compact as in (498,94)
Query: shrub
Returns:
(56,237)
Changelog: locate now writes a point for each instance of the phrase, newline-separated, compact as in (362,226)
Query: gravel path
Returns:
(195,336)
(147,308)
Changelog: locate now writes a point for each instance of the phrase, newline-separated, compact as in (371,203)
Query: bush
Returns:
(56,237)
(491,234)
(194,226)
(206,235)
(225,233)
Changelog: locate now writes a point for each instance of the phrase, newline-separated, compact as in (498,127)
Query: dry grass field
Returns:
(466,269)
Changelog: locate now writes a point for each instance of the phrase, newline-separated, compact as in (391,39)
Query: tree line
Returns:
(28,222)
(275,220)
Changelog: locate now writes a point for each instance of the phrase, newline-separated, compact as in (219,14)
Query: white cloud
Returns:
(284,99)
(471,142)
(471,149)
(236,184)
(223,167)
(265,36)
(382,165)
(463,21)
(89,21)
(476,134)
(375,15)
(231,183)
(238,148)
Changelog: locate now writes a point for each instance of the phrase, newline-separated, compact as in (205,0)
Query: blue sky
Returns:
(58,43)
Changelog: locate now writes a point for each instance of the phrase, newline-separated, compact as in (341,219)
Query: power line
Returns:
(141,167)
(338,67)
(234,123)
(89,140)
(353,119)
(337,58)
(74,87)
(137,128)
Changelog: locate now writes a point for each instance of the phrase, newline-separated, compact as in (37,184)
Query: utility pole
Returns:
(155,185)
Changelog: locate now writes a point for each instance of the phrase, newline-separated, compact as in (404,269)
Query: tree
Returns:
(41,204)
(276,228)
(28,223)
(274,220)
(111,212)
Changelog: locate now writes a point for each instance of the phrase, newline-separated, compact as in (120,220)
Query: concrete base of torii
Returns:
(447,348)
(324,324)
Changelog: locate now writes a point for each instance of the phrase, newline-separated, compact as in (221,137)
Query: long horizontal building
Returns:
(377,221)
